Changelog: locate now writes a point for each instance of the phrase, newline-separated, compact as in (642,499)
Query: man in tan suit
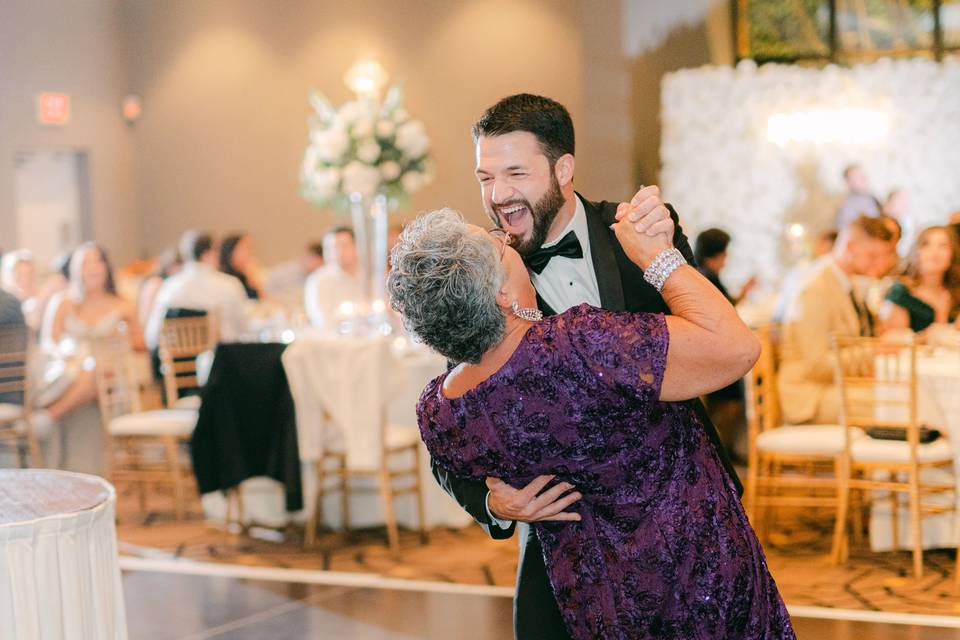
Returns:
(826,304)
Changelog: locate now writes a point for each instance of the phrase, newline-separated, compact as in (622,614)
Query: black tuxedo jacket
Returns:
(622,288)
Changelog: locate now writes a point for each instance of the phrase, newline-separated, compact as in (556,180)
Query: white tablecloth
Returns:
(360,382)
(59,575)
(938,405)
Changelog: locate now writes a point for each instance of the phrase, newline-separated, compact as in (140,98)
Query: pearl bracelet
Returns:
(662,266)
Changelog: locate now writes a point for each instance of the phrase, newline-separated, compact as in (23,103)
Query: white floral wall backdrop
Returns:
(757,151)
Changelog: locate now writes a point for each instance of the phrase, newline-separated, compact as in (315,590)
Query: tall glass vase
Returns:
(370,228)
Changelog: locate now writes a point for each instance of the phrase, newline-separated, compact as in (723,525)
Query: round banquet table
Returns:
(59,571)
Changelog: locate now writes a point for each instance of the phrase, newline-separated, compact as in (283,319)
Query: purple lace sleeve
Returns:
(628,350)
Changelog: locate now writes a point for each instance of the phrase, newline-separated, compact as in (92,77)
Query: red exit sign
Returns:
(53,108)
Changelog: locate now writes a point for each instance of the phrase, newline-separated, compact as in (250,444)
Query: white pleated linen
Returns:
(59,574)
(938,406)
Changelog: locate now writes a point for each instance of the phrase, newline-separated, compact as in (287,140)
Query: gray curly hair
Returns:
(444,281)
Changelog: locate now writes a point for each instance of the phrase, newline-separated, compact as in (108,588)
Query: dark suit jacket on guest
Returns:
(622,288)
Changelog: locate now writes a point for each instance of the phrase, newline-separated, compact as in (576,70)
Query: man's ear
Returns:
(563,169)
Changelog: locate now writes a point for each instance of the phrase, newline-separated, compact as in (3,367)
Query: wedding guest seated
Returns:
(828,303)
(658,545)
(859,201)
(200,286)
(929,292)
(710,252)
(286,280)
(18,276)
(91,309)
(238,259)
(11,319)
(167,264)
(335,284)
(726,406)
(794,278)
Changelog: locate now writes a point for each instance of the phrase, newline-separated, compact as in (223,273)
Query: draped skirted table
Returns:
(938,405)
(361,384)
(59,571)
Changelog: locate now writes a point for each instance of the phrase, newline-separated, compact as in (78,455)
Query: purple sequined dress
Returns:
(664,549)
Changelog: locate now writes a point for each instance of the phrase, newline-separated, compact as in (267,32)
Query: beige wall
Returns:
(706,40)
(225,84)
(74,47)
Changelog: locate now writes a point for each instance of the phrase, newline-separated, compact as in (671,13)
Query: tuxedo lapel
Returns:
(604,259)
(544,307)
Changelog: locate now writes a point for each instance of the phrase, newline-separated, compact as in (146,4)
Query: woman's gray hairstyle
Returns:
(444,281)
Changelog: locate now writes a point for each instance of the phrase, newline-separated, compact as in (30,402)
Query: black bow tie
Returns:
(568,247)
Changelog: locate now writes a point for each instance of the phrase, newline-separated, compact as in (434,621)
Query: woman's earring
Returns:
(533,315)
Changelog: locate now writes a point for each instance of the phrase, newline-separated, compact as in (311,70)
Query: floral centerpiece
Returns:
(366,158)
(365,147)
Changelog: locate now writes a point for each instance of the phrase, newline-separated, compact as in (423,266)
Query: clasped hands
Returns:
(644,228)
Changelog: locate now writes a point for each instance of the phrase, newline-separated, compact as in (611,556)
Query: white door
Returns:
(50,190)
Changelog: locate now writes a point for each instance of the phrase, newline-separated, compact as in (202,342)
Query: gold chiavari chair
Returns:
(877,380)
(181,341)
(788,465)
(399,463)
(142,447)
(16,420)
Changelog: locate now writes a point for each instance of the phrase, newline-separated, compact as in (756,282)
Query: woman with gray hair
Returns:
(658,545)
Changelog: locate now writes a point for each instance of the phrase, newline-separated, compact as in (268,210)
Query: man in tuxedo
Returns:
(525,167)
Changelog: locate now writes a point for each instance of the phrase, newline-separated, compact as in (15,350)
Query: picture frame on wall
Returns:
(844,31)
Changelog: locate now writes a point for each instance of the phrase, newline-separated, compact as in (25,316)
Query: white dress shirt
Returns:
(325,290)
(200,286)
(567,282)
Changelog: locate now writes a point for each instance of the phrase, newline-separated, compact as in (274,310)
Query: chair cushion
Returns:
(806,439)
(187,402)
(898,451)
(10,412)
(397,436)
(162,422)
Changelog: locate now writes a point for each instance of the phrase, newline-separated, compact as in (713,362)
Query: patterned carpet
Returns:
(796,552)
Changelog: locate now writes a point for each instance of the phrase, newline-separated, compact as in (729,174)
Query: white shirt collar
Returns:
(577,224)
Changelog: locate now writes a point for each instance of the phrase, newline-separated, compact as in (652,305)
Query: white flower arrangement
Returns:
(366,147)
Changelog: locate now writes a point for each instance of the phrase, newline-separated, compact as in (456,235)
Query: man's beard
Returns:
(543,214)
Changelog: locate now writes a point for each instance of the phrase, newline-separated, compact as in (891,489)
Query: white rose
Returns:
(385,129)
(361,178)
(353,111)
(390,170)
(368,151)
(363,128)
(331,144)
(412,139)
(412,181)
(400,115)
(324,183)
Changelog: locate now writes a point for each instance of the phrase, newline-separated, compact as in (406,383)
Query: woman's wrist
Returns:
(662,267)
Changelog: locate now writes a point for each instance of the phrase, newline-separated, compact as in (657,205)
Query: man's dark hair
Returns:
(316,248)
(546,119)
(710,243)
(848,169)
(873,227)
(194,244)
